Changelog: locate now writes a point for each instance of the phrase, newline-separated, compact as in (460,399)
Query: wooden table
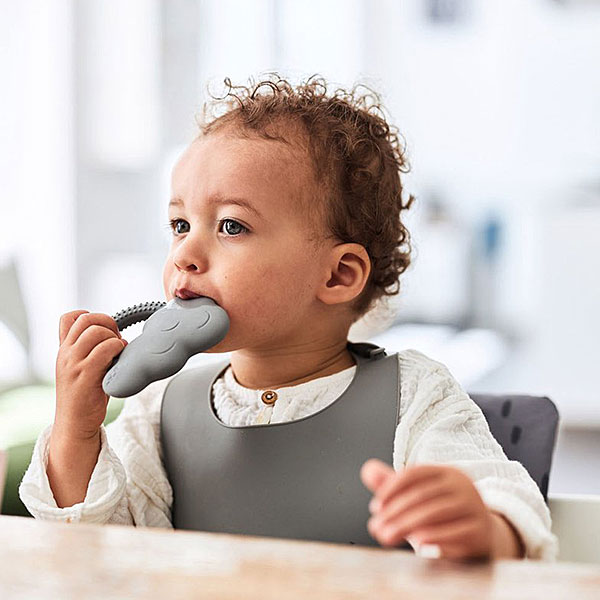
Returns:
(44,560)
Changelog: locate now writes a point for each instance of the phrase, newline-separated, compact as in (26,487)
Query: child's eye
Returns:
(232,227)
(173,225)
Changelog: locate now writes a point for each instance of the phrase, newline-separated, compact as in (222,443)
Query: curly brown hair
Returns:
(356,156)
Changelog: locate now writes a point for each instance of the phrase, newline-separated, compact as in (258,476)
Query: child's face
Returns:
(255,261)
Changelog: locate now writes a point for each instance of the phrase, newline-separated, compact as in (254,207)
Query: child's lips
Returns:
(186,294)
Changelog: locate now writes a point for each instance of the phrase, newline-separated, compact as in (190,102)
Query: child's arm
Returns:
(88,344)
(70,466)
(128,485)
(103,496)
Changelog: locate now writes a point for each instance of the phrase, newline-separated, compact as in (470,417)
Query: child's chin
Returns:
(222,346)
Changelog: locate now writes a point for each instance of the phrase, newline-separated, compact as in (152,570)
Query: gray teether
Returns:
(171,334)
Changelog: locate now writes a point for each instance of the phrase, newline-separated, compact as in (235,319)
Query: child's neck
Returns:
(289,366)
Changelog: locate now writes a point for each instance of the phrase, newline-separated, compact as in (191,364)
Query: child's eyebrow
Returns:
(218,199)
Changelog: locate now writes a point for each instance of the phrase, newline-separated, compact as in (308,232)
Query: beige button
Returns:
(269,397)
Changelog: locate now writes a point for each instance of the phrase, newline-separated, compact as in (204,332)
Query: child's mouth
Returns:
(186,294)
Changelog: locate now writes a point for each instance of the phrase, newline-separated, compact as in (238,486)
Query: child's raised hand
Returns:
(431,504)
(88,344)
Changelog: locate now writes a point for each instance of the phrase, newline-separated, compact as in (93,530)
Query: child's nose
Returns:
(191,256)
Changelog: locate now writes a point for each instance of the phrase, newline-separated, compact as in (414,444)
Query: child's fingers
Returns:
(84,321)
(450,533)
(416,496)
(90,339)
(374,472)
(104,353)
(66,322)
(459,540)
(437,511)
(404,480)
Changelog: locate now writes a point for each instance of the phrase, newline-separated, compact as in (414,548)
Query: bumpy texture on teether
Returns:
(171,334)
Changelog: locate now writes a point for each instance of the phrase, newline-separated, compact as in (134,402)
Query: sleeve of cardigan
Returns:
(440,423)
(128,484)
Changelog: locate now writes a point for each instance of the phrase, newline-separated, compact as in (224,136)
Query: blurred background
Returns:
(499,104)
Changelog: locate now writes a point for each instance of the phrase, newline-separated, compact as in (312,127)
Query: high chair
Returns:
(525,427)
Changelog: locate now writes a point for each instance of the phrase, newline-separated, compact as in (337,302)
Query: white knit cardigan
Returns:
(439,423)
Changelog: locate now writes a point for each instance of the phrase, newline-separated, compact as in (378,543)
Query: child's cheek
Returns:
(258,293)
(169,276)
(166,281)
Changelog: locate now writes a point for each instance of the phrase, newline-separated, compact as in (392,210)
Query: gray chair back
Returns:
(525,427)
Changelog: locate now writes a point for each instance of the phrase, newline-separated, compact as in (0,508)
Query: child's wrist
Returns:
(69,467)
(65,442)
(70,435)
(507,542)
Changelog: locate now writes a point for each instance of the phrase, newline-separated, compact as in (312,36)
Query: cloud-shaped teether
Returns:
(170,336)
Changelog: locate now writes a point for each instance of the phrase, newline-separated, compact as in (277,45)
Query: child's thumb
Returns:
(374,472)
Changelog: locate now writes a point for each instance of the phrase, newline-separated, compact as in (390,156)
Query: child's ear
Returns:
(347,274)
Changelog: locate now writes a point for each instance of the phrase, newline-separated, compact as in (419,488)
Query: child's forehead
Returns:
(223,163)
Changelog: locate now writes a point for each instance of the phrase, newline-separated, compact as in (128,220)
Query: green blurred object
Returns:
(24,413)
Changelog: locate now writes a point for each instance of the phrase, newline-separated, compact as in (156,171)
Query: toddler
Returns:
(285,211)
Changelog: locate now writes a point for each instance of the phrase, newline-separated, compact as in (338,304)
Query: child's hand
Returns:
(88,344)
(433,504)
